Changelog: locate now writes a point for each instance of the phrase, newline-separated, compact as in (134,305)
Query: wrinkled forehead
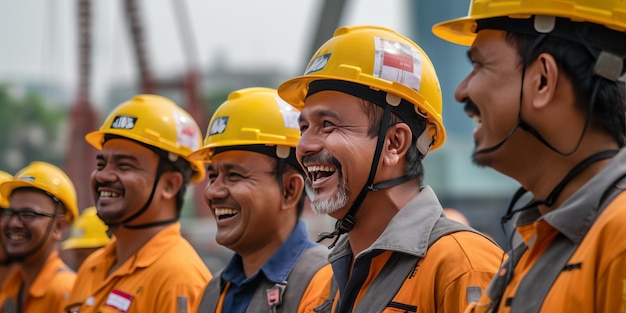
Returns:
(31,198)
(121,147)
(332,104)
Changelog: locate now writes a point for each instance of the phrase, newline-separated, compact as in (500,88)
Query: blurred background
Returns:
(64,64)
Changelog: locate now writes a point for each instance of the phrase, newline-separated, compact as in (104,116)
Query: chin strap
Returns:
(125,222)
(549,201)
(346,224)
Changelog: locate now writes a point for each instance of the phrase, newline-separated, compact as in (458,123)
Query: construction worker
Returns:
(5,263)
(138,188)
(547,93)
(88,234)
(255,191)
(380,109)
(42,204)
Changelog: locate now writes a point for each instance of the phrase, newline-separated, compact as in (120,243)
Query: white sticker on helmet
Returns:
(186,132)
(290,115)
(398,62)
(318,64)
(218,125)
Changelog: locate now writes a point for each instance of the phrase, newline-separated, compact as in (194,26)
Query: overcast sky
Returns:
(38,36)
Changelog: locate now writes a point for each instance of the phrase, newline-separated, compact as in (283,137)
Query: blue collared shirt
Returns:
(276,270)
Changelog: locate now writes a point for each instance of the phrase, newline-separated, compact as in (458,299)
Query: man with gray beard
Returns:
(381,109)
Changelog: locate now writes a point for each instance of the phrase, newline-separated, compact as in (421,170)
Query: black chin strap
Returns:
(125,222)
(346,224)
(531,130)
(549,201)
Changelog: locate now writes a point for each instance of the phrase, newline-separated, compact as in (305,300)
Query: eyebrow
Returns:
(321,114)
(473,53)
(118,157)
(226,167)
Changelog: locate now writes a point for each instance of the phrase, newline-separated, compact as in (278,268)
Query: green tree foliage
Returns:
(30,129)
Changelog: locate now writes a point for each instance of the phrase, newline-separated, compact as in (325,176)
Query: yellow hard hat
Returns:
(4,176)
(89,231)
(382,60)
(48,178)
(610,13)
(252,116)
(155,121)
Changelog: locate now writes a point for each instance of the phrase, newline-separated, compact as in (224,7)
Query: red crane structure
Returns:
(80,162)
(81,157)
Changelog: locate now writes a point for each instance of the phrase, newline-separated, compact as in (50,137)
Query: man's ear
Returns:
(397,142)
(60,225)
(171,182)
(293,185)
(545,80)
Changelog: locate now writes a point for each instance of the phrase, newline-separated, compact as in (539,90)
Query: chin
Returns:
(482,159)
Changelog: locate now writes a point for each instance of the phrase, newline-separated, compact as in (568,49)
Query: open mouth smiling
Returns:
(473,112)
(316,172)
(109,194)
(223,213)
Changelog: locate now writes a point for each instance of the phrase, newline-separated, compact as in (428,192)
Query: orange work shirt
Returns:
(48,293)
(594,278)
(165,275)
(598,284)
(453,271)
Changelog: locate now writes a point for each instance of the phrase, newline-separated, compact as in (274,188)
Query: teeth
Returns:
(221,212)
(316,170)
(319,168)
(109,194)
(16,237)
(476,119)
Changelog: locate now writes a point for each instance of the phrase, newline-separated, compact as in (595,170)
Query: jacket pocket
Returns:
(397,307)
(325,307)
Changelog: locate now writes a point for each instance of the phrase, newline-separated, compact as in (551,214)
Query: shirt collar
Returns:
(575,216)
(51,267)
(408,230)
(280,264)
(145,256)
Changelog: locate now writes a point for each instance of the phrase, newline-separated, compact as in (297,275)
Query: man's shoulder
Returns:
(465,248)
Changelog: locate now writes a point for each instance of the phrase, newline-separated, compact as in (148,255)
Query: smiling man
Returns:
(371,111)
(138,188)
(41,205)
(255,192)
(5,262)
(547,93)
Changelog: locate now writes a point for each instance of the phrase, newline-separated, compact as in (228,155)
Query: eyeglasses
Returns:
(25,216)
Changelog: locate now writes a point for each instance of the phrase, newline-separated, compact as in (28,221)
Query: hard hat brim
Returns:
(7,188)
(82,243)
(294,92)
(461,31)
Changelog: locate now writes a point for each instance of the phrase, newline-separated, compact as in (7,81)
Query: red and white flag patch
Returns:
(119,300)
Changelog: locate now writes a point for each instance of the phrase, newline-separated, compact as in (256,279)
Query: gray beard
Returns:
(330,205)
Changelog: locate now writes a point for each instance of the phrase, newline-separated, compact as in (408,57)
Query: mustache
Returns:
(321,158)
(471,108)
(222,202)
(109,185)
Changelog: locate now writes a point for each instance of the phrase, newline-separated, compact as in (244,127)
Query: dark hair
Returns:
(577,63)
(414,166)
(182,166)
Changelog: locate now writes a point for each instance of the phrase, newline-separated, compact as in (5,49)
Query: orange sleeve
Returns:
(317,291)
